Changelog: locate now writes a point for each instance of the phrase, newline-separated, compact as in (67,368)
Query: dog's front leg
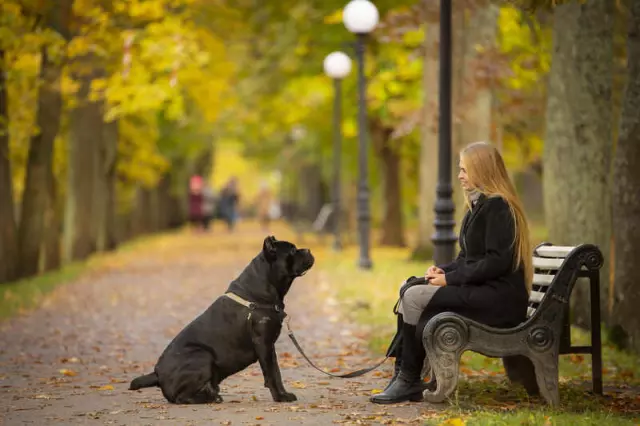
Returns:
(264,340)
(272,378)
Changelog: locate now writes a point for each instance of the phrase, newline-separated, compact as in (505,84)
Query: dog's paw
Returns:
(217,399)
(285,397)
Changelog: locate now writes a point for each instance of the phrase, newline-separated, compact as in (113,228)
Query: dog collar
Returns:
(253,306)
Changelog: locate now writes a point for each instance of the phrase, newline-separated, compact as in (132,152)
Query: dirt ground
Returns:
(71,360)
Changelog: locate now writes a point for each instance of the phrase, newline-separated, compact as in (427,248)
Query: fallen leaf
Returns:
(456,421)
(467,371)
(106,387)
(298,385)
(576,359)
(68,372)
(259,418)
(376,391)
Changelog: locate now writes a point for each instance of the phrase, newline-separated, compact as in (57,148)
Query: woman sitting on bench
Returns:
(489,281)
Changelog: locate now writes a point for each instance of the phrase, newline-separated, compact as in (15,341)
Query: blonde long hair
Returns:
(487,173)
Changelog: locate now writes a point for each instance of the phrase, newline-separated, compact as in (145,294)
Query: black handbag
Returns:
(397,339)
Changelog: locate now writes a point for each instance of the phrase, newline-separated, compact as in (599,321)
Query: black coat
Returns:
(481,283)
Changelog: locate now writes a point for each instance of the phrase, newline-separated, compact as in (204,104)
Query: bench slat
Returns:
(542,279)
(536,296)
(554,251)
(546,263)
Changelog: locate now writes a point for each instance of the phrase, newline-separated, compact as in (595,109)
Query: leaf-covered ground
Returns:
(69,360)
(484,397)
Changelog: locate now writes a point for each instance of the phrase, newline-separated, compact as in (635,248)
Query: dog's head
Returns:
(287,261)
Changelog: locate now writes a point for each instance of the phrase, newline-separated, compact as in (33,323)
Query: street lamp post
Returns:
(361,17)
(337,65)
(444,238)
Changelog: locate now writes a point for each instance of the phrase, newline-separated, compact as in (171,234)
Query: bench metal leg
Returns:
(445,367)
(546,367)
(596,338)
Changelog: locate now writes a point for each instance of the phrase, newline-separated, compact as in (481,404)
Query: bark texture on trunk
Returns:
(53,228)
(8,231)
(626,197)
(392,226)
(428,168)
(579,136)
(142,213)
(480,36)
(105,197)
(84,134)
(460,51)
(39,167)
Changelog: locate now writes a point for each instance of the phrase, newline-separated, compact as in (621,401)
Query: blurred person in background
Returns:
(195,202)
(228,202)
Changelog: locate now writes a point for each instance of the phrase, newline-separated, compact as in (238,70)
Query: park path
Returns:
(71,360)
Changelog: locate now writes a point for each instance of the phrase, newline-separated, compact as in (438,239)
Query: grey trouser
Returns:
(414,301)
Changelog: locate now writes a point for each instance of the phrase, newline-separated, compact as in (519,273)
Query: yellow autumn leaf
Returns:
(298,385)
(68,372)
(376,391)
(456,421)
(334,18)
(106,387)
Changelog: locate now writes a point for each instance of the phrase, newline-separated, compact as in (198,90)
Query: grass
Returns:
(21,296)
(484,397)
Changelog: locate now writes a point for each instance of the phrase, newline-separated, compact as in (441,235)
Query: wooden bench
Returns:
(529,351)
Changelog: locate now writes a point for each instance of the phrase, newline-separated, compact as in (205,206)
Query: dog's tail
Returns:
(146,381)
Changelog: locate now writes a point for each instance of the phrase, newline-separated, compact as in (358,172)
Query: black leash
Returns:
(350,375)
(410,282)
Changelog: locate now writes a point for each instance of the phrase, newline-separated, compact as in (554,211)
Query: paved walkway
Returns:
(71,360)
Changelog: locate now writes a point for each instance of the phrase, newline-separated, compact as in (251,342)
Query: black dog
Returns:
(234,332)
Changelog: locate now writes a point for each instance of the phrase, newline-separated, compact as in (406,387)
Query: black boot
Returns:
(408,385)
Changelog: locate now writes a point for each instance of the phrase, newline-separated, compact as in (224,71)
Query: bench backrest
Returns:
(556,269)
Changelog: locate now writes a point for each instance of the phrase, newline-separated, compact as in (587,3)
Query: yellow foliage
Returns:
(334,18)
(230,162)
(517,39)
(139,159)
(349,128)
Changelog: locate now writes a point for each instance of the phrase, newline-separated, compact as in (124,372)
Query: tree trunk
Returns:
(8,232)
(84,133)
(428,144)
(312,191)
(104,201)
(53,226)
(392,224)
(460,51)
(164,202)
(626,198)
(481,36)
(142,212)
(39,167)
(578,143)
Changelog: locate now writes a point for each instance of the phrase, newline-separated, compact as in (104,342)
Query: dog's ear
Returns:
(269,248)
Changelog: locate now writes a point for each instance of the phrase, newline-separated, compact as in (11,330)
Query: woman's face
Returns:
(462,176)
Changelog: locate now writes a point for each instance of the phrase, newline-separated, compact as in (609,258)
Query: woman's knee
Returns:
(412,296)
